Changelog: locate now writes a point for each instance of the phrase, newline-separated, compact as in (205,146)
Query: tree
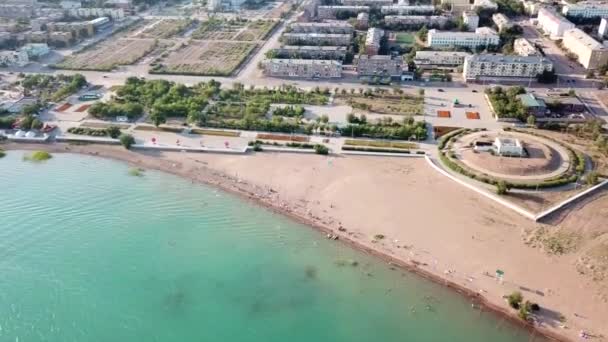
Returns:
(546,77)
(590,74)
(324,118)
(26,122)
(158,117)
(502,188)
(515,299)
(113,132)
(321,149)
(127,140)
(422,33)
(571,92)
(421,92)
(36,124)
(592,178)
(531,120)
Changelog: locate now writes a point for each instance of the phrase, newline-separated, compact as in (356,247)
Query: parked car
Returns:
(440,90)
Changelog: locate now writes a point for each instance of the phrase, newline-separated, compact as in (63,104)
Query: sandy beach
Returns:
(428,223)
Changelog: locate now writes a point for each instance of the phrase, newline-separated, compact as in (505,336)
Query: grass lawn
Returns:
(381,143)
(405,38)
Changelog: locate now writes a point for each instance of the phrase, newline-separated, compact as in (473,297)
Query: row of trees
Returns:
(52,88)
(505,102)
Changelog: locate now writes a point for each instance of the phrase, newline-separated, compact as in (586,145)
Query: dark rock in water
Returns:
(311,272)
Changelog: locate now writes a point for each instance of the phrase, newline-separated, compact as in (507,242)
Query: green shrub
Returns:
(113,132)
(379,236)
(257,147)
(127,140)
(515,299)
(321,149)
(2,153)
(502,188)
(38,156)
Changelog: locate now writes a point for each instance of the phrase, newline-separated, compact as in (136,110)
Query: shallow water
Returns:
(90,253)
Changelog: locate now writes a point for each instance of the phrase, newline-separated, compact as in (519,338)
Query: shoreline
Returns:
(255,195)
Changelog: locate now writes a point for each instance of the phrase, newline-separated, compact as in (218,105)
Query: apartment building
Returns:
(471,19)
(407,9)
(524,47)
(363,21)
(329,12)
(304,68)
(316,39)
(457,5)
(552,23)
(603,29)
(330,27)
(590,53)
(439,59)
(311,52)
(35,50)
(489,4)
(496,66)
(16,11)
(432,20)
(114,13)
(482,37)
(372,40)
(370,3)
(386,66)
(501,21)
(81,29)
(586,9)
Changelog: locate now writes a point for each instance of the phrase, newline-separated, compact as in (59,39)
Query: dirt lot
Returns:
(204,58)
(109,54)
(237,30)
(256,30)
(403,104)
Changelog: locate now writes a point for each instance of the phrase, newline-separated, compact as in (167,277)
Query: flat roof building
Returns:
(317,39)
(552,23)
(524,47)
(329,27)
(373,40)
(431,20)
(370,3)
(501,21)
(407,9)
(493,66)
(471,19)
(329,12)
(586,9)
(304,68)
(440,58)
(311,52)
(508,147)
(590,53)
(482,37)
(603,29)
(382,66)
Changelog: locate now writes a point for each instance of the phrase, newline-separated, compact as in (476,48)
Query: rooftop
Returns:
(427,54)
(584,38)
(498,58)
(304,61)
(529,100)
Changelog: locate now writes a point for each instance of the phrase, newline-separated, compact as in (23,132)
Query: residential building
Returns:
(311,52)
(586,9)
(433,20)
(590,53)
(489,4)
(13,58)
(60,39)
(378,65)
(531,7)
(373,40)
(16,11)
(433,59)
(524,47)
(508,147)
(407,9)
(533,105)
(370,3)
(363,21)
(79,29)
(603,29)
(35,50)
(126,5)
(36,36)
(552,23)
(329,12)
(100,24)
(457,5)
(568,104)
(327,27)
(70,4)
(471,19)
(482,37)
(496,66)
(305,68)
(85,13)
(316,39)
(501,21)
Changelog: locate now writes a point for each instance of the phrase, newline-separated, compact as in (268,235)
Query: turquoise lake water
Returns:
(90,253)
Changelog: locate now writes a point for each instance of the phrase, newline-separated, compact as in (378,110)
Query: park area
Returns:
(384,103)
(163,29)
(204,58)
(109,54)
(234,29)
(405,39)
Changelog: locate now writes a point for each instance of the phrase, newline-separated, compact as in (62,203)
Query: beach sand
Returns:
(429,223)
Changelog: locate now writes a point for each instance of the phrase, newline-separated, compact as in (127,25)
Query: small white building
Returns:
(471,19)
(501,21)
(482,37)
(552,23)
(603,29)
(508,147)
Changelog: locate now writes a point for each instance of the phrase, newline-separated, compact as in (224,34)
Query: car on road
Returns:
(440,90)
(474,90)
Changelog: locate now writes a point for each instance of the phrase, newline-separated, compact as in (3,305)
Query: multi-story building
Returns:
(471,19)
(439,59)
(311,52)
(585,9)
(330,12)
(214,5)
(114,13)
(316,39)
(501,21)
(80,29)
(457,5)
(36,36)
(305,68)
(524,47)
(590,53)
(372,40)
(60,38)
(407,9)
(493,66)
(329,27)
(489,4)
(432,20)
(552,23)
(13,58)
(363,21)
(482,37)
(16,11)
(370,3)
(603,29)
(386,66)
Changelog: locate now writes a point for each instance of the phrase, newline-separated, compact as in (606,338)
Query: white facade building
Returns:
(508,147)
(440,58)
(407,9)
(430,20)
(471,19)
(591,53)
(482,37)
(603,29)
(306,68)
(485,4)
(586,9)
(524,47)
(552,23)
(493,66)
(35,50)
